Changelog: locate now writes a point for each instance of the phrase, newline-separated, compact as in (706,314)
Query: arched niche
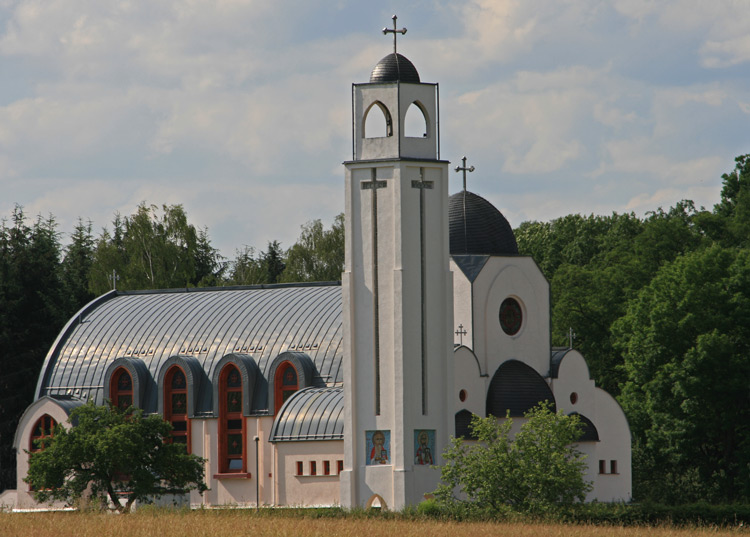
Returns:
(377,121)
(416,121)
(516,388)
(376,501)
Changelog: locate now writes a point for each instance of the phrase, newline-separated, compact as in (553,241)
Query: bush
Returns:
(535,473)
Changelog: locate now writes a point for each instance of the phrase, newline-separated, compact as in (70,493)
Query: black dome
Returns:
(395,68)
(482,231)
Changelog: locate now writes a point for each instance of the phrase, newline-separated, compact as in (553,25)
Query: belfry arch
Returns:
(377,121)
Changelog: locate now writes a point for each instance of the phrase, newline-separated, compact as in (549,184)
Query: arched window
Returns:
(285,384)
(175,405)
(43,429)
(121,389)
(377,125)
(415,121)
(231,422)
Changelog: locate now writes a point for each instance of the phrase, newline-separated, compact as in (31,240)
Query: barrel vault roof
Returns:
(207,324)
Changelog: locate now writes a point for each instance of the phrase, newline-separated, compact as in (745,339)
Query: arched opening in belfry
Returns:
(377,122)
(415,122)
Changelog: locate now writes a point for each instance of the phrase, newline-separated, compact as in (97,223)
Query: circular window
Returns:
(511,316)
(573,398)
(462,395)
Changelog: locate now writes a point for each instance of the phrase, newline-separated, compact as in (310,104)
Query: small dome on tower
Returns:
(395,68)
(478,228)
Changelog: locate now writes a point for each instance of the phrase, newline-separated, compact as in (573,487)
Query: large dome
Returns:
(478,228)
(394,68)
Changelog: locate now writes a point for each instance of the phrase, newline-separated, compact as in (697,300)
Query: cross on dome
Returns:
(464,169)
(394,31)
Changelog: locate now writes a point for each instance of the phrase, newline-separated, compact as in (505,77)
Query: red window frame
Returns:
(300,468)
(175,405)
(339,466)
(121,388)
(285,384)
(313,468)
(43,428)
(326,467)
(232,441)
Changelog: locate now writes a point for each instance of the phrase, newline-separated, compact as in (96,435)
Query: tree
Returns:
(273,262)
(155,250)
(535,472)
(76,265)
(318,254)
(685,340)
(33,309)
(109,453)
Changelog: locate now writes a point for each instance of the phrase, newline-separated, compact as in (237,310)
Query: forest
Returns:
(659,305)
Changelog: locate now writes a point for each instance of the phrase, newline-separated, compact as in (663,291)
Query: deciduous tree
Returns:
(112,455)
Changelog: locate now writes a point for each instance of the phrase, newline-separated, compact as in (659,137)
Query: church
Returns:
(344,393)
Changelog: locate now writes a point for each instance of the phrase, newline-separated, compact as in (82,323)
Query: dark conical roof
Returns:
(478,228)
(395,68)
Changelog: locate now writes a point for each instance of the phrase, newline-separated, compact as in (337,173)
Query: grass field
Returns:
(236,523)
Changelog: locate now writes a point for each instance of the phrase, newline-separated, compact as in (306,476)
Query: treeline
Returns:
(43,282)
(660,308)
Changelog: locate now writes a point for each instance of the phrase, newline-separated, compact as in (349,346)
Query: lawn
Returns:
(235,523)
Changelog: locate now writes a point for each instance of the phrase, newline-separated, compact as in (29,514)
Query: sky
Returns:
(240,110)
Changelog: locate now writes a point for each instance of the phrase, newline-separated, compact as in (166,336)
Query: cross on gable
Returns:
(464,169)
(394,31)
(461,332)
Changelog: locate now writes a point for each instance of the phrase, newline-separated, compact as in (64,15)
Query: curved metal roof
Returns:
(394,68)
(311,414)
(260,321)
(478,228)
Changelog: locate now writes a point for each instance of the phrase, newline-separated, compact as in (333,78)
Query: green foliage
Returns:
(109,454)
(318,254)
(535,472)
(33,308)
(685,340)
(149,250)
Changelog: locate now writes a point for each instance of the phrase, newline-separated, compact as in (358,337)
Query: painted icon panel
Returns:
(424,447)
(378,445)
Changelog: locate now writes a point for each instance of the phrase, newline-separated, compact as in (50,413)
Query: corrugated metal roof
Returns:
(311,414)
(478,228)
(260,321)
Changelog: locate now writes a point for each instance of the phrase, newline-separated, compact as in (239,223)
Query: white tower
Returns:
(397,291)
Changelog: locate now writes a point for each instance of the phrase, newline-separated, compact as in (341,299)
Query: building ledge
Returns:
(234,475)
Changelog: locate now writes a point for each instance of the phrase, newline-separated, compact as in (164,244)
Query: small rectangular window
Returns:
(299,468)
(313,468)
(612,467)
(326,467)
(340,466)
(602,467)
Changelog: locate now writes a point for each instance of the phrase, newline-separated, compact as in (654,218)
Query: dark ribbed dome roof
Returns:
(482,231)
(395,68)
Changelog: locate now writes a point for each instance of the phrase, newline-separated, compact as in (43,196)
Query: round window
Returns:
(573,398)
(511,316)
(462,395)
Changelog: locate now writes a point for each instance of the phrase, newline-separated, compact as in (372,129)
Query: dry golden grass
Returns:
(236,523)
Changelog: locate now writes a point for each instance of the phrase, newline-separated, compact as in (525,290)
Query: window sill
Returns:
(316,475)
(234,475)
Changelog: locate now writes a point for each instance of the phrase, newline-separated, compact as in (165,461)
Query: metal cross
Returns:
(394,31)
(464,169)
(461,332)
(571,337)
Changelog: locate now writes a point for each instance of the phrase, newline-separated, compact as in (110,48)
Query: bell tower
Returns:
(397,290)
